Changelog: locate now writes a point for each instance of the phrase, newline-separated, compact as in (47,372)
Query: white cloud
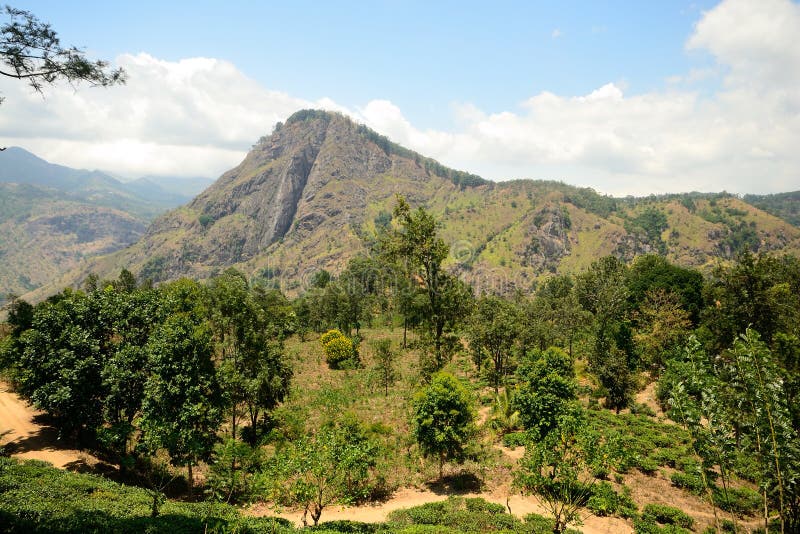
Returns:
(191,117)
(199,116)
(743,138)
(556,33)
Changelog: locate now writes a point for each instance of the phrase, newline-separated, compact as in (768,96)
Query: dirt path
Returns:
(24,433)
(408,497)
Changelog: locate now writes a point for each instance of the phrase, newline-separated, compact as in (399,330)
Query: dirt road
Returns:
(24,433)
(407,497)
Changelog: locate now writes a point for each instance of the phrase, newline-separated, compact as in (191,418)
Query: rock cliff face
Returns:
(308,196)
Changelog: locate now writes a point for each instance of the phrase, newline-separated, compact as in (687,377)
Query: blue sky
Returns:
(421,55)
(626,97)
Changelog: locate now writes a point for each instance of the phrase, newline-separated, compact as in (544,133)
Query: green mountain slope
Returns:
(53,217)
(307,197)
(783,205)
(42,235)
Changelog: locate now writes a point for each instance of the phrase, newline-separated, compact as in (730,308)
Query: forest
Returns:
(393,373)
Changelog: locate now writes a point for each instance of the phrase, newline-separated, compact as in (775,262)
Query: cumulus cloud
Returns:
(742,138)
(191,117)
(199,116)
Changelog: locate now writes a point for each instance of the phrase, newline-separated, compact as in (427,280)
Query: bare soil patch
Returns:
(26,434)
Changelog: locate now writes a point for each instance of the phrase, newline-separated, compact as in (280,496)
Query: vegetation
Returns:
(31,51)
(443,418)
(229,378)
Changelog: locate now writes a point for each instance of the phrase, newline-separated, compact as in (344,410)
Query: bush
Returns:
(457,513)
(667,515)
(740,501)
(340,350)
(642,409)
(688,481)
(38,498)
(647,465)
(515,439)
(344,526)
(606,502)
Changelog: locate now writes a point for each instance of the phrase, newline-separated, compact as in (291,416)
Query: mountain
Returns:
(308,196)
(144,199)
(43,235)
(186,187)
(53,217)
(783,205)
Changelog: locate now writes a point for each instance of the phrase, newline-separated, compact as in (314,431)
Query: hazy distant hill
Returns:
(783,205)
(43,235)
(53,217)
(184,187)
(144,199)
(307,196)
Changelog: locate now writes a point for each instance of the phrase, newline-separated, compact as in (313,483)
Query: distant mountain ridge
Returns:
(52,217)
(311,194)
(145,197)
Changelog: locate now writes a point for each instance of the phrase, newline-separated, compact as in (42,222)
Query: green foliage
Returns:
(558,467)
(182,404)
(335,465)
(459,514)
(651,222)
(691,482)
(30,50)
(739,501)
(385,363)
(232,471)
(546,389)
(607,502)
(783,205)
(667,515)
(443,418)
(759,292)
(492,334)
(340,350)
(421,252)
(505,416)
(37,498)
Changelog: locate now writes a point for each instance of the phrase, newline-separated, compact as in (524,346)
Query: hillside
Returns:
(308,196)
(783,205)
(53,217)
(43,234)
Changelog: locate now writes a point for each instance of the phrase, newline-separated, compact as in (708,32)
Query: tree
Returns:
(761,411)
(443,418)
(558,468)
(30,50)
(492,334)
(564,317)
(385,363)
(601,290)
(182,405)
(60,362)
(662,325)
(760,292)
(416,243)
(333,465)
(652,273)
(547,387)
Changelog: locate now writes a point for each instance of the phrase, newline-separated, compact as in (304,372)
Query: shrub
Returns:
(688,481)
(605,502)
(667,515)
(340,350)
(647,465)
(740,501)
(515,439)
(457,513)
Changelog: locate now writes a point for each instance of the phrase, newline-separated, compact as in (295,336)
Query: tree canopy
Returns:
(30,50)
